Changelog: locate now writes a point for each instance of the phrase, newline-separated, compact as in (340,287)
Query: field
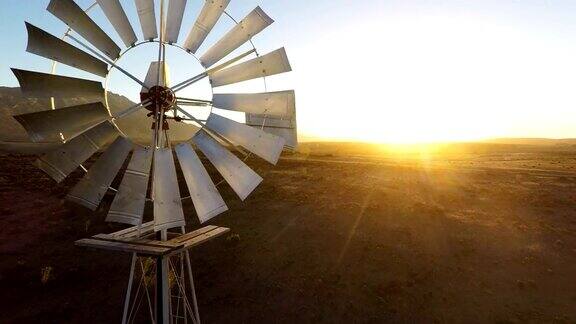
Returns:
(337,233)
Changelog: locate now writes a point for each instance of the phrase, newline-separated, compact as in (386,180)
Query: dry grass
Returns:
(483,235)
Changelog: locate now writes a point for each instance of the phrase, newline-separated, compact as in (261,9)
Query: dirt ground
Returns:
(335,234)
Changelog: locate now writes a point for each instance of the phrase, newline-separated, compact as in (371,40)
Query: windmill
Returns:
(151,175)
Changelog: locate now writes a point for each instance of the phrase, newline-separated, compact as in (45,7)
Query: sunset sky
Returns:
(386,71)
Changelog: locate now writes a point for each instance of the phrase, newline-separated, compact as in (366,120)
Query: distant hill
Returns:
(137,126)
(503,140)
(532,141)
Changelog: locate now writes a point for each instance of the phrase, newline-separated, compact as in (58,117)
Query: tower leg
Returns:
(191,277)
(162,287)
(129,289)
(184,309)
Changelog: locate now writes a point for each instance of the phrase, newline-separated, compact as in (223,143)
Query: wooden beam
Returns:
(123,247)
(192,234)
(145,228)
(194,240)
(127,241)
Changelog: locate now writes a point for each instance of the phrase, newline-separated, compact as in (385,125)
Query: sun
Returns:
(400,127)
(422,80)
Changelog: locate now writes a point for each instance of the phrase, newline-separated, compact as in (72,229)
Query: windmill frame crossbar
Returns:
(146,244)
(141,243)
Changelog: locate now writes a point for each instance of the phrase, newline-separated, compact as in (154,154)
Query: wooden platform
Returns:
(143,242)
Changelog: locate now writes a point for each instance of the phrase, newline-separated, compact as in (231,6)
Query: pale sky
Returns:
(377,70)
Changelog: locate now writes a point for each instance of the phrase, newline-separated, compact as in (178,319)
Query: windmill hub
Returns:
(161,97)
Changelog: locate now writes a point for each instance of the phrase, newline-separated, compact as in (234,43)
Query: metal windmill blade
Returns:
(51,47)
(273,112)
(72,15)
(206,20)
(174,127)
(284,127)
(147,17)
(266,65)
(60,162)
(207,200)
(278,104)
(91,189)
(44,85)
(117,17)
(238,175)
(174,20)
(27,148)
(69,121)
(128,205)
(168,211)
(251,25)
(267,146)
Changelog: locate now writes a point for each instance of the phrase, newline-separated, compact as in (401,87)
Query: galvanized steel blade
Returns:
(69,121)
(206,20)
(147,17)
(174,20)
(28,148)
(251,25)
(51,47)
(270,121)
(117,17)
(267,146)
(92,188)
(45,85)
(168,211)
(290,136)
(207,200)
(270,64)
(191,104)
(210,132)
(129,202)
(280,103)
(60,162)
(283,127)
(239,176)
(180,131)
(73,16)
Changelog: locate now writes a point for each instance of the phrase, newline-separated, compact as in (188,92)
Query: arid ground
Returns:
(337,233)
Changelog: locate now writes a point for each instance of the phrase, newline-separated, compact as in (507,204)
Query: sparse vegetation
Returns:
(381,237)
(46,274)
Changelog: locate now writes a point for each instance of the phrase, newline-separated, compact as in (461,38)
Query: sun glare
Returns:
(420,79)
